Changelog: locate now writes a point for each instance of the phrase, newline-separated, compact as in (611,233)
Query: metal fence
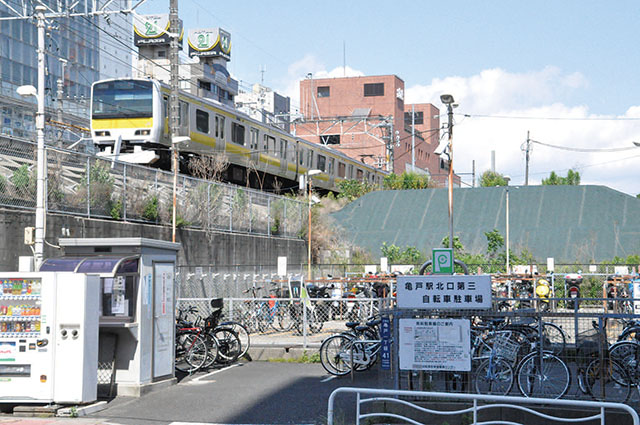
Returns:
(89,186)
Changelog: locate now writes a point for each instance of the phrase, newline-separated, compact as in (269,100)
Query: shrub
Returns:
(150,211)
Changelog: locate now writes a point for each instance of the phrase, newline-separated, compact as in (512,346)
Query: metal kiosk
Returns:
(136,308)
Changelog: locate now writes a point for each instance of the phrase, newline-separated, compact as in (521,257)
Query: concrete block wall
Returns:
(198,247)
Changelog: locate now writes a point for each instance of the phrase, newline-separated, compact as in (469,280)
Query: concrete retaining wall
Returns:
(198,248)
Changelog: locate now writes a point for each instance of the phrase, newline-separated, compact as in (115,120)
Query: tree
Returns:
(458,248)
(408,180)
(395,255)
(352,189)
(495,241)
(572,179)
(491,178)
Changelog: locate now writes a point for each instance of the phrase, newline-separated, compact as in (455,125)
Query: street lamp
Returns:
(174,145)
(308,174)
(447,99)
(637,144)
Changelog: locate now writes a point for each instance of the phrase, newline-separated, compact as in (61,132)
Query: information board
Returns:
(459,292)
(385,347)
(434,344)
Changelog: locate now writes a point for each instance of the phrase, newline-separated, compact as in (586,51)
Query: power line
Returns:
(566,148)
(551,118)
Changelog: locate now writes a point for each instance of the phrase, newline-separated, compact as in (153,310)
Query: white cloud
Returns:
(509,97)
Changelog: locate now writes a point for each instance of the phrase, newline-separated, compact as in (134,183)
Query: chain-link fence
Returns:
(93,187)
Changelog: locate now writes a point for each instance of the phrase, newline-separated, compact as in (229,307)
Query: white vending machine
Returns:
(48,337)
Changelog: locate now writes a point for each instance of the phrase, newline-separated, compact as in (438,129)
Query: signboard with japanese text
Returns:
(443,261)
(434,344)
(385,346)
(451,292)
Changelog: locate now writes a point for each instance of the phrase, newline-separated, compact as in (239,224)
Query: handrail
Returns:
(499,402)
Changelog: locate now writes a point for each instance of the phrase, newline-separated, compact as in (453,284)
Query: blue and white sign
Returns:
(452,292)
(385,346)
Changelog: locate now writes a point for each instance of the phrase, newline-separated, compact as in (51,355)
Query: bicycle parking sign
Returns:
(458,292)
(443,260)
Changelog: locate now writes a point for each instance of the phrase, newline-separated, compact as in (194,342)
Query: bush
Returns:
(24,181)
(116,210)
(150,211)
(3,184)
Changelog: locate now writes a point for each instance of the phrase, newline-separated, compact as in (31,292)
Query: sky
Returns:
(567,72)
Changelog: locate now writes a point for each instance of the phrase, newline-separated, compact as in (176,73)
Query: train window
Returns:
(301,153)
(165,104)
(283,149)
(202,121)
(309,158)
(341,169)
(330,170)
(350,172)
(359,174)
(322,163)
(237,133)
(254,139)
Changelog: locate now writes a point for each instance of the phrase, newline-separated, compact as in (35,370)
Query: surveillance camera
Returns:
(442,147)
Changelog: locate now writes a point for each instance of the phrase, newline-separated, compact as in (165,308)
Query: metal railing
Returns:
(89,186)
(392,397)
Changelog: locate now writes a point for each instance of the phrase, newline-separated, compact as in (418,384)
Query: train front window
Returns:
(123,99)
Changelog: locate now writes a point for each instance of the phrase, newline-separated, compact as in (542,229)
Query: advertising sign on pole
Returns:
(443,260)
(385,346)
(459,292)
(434,344)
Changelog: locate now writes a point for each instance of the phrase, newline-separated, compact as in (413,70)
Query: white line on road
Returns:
(329,378)
(198,380)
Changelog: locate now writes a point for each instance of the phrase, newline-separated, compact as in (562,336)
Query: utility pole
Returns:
(473,173)
(413,138)
(63,63)
(174,105)
(526,169)
(448,100)
(41,163)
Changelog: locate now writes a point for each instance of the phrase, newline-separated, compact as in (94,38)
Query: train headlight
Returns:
(102,133)
(143,132)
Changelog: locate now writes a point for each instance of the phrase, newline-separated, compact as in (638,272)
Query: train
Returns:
(130,122)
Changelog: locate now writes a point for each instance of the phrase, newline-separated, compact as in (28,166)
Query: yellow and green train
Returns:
(130,121)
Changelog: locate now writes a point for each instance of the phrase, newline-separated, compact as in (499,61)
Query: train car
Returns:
(130,122)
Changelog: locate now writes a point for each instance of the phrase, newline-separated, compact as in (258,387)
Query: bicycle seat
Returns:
(374,322)
(352,325)
(217,303)
(362,328)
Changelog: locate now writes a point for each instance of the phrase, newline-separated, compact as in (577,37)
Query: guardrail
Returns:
(497,402)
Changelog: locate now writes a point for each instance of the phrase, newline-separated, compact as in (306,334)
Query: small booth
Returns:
(136,308)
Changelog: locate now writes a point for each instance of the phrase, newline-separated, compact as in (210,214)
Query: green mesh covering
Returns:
(569,223)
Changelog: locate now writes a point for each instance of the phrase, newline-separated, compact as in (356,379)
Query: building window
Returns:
(237,133)
(330,139)
(374,89)
(205,85)
(202,121)
(324,91)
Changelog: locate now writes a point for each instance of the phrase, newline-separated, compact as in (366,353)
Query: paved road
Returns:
(246,393)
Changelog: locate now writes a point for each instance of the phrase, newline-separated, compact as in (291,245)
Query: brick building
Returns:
(358,115)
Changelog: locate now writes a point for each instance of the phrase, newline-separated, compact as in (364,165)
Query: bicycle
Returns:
(341,352)
(494,374)
(191,348)
(606,378)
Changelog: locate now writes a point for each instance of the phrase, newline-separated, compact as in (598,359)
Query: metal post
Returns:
(124,192)
(309,229)
(41,164)
(450,125)
(63,63)
(526,170)
(174,105)
(413,138)
(88,187)
(507,225)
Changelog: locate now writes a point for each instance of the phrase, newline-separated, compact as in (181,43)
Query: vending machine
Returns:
(48,337)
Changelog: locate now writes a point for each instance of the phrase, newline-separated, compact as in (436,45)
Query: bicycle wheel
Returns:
(212,352)
(554,338)
(283,321)
(627,354)
(242,333)
(335,355)
(229,346)
(543,375)
(493,376)
(608,381)
(191,352)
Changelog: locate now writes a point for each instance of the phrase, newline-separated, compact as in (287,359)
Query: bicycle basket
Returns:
(505,347)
